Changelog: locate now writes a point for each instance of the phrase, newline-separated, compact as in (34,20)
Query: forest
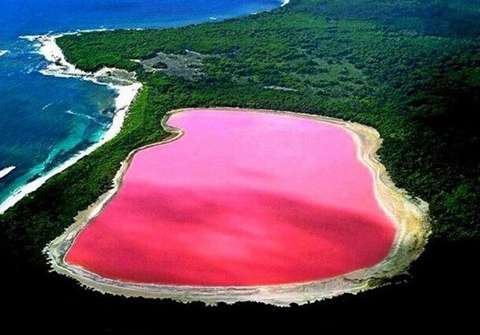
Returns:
(410,69)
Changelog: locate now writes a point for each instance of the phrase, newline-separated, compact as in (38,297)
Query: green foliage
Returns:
(387,64)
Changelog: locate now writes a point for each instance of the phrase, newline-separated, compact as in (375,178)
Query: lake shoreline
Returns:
(410,217)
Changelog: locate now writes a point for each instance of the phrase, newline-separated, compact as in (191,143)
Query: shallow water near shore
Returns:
(45,120)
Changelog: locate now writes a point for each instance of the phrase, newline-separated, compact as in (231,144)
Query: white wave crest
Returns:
(6,171)
(89,117)
(46,106)
(59,67)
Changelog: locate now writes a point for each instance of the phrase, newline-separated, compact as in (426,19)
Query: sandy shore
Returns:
(59,67)
(127,90)
(409,215)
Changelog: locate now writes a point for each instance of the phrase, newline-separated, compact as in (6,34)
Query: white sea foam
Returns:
(3,52)
(6,171)
(46,106)
(59,67)
(30,38)
(89,117)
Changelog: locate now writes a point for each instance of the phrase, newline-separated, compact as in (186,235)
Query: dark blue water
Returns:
(45,120)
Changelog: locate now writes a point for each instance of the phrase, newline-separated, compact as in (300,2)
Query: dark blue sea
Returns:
(46,120)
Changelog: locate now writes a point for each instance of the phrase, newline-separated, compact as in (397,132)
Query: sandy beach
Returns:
(410,217)
(60,67)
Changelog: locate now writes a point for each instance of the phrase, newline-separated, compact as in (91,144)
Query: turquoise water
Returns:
(45,120)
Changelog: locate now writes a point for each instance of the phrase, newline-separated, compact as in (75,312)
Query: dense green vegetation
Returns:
(411,69)
(419,87)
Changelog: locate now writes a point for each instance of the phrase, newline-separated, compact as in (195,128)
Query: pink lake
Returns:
(242,198)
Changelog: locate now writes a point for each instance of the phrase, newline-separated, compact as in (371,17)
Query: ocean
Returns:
(47,120)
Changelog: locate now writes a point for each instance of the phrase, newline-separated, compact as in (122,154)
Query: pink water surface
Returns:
(242,198)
